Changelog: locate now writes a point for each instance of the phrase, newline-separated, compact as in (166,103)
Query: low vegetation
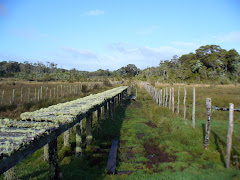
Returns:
(154,143)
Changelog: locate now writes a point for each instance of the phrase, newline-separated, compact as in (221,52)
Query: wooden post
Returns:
(2,97)
(46,149)
(178,100)
(110,108)
(46,92)
(67,138)
(184,103)
(193,109)
(79,150)
(28,94)
(99,119)
(54,92)
(170,97)
(54,172)
(166,97)
(61,90)
(160,104)
(173,107)
(229,136)
(21,94)
(10,174)
(13,96)
(105,111)
(70,89)
(57,92)
(50,96)
(136,93)
(38,94)
(35,95)
(89,119)
(41,92)
(207,130)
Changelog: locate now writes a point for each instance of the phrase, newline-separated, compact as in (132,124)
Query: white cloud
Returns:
(230,37)
(96,12)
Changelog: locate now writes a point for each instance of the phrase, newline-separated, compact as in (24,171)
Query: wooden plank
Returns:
(112,158)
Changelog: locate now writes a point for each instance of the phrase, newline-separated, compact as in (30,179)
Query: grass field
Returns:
(13,110)
(154,143)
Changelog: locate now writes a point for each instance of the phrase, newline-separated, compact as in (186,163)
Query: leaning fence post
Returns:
(184,103)
(229,136)
(207,130)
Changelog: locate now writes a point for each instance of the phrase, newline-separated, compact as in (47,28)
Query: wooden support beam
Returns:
(45,156)
(78,141)
(67,138)
(99,120)
(89,119)
(112,158)
(54,172)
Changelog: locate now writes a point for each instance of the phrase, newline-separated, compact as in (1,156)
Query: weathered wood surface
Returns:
(112,158)
(19,139)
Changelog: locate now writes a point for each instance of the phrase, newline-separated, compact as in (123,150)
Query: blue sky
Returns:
(107,34)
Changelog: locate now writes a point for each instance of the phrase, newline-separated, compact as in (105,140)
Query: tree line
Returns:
(209,63)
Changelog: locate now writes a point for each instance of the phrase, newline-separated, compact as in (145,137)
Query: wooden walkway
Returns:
(19,139)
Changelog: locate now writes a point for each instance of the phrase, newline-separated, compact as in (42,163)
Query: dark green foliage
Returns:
(209,63)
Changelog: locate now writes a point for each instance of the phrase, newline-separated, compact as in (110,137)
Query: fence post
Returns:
(2,97)
(170,97)
(54,92)
(193,109)
(13,96)
(178,100)
(50,96)
(229,136)
(41,93)
(46,92)
(38,94)
(28,94)
(57,92)
(35,96)
(184,103)
(207,130)
(166,97)
(21,94)
(173,107)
